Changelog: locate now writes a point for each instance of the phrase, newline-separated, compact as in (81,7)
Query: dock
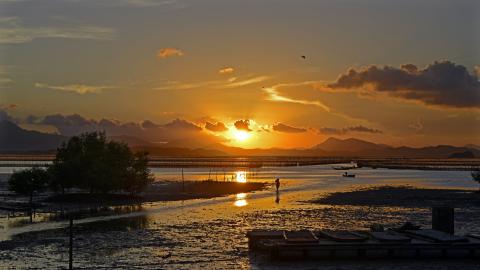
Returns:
(316,244)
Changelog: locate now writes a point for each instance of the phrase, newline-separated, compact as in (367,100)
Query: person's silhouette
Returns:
(277,184)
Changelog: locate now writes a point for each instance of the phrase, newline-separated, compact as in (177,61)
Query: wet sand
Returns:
(210,233)
(403,196)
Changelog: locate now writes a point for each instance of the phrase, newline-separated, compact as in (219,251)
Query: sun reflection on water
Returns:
(240,200)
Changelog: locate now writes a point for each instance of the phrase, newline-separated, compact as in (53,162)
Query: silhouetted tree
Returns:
(28,182)
(476,177)
(91,162)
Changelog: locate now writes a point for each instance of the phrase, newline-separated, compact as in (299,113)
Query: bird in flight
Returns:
(304,57)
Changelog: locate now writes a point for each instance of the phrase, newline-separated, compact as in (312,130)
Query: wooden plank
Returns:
(300,237)
(390,236)
(436,236)
(342,236)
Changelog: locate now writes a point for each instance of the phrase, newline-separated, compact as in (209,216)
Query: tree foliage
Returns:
(91,162)
(28,182)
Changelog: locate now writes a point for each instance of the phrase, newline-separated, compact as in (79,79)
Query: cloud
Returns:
(226,70)
(242,125)
(4,116)
(133,3)
(13,32)
(4,78)
(346,130)
(169,52)
(75,88)
(417,125)
(218,127)
(287,129)
(275,95)
(441,83)
(476,71)
(180,124)
(8,106)
(245,82)
(214,84)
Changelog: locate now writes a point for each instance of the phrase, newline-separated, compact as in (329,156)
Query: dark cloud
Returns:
(346,130)
(287,129)
(441,83)
(149,124)
(182,125)
(218,127)
(243,125)
(176,130)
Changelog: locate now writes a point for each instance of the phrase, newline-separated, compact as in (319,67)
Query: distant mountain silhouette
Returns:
(349,146)
(473,146)
(15,139)
(466,154)
(131,141)
(360,148)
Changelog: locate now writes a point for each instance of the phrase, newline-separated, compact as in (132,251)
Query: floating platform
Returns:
(328,244)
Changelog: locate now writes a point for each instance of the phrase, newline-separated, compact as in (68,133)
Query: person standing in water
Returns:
(277,185)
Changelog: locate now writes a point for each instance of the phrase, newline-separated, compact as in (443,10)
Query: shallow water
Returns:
(211,233)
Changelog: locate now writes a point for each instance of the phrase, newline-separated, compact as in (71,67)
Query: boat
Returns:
(346,174)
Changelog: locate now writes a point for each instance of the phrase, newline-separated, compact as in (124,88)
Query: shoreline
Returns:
(161,191)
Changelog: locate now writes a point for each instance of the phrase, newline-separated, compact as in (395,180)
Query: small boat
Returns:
(346,174)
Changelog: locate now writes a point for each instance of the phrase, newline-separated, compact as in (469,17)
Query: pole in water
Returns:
(183,182)
(70,255)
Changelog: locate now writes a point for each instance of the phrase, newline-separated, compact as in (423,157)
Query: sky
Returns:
(250,73)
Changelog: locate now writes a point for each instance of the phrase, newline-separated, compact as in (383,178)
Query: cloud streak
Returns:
(214,84)
(75,88)
(279,127)
(13,32)
(347,130)
(275,95)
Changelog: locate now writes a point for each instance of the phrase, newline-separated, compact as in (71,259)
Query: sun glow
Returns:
(241,135)
(241,177)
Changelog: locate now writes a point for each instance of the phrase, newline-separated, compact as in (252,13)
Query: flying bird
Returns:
(304,57)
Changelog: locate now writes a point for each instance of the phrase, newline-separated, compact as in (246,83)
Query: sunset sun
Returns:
(241,135)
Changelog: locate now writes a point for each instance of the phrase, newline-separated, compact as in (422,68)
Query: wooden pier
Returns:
(282,245)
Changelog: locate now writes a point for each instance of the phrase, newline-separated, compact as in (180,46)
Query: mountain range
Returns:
(14,139)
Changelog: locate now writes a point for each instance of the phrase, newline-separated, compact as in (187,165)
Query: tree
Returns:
(476,176)
(93,163)
(28,182)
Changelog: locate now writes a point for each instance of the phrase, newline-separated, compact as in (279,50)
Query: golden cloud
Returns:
(226,70)
(169,52)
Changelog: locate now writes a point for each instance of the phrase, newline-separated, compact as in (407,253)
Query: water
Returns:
(210,234)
